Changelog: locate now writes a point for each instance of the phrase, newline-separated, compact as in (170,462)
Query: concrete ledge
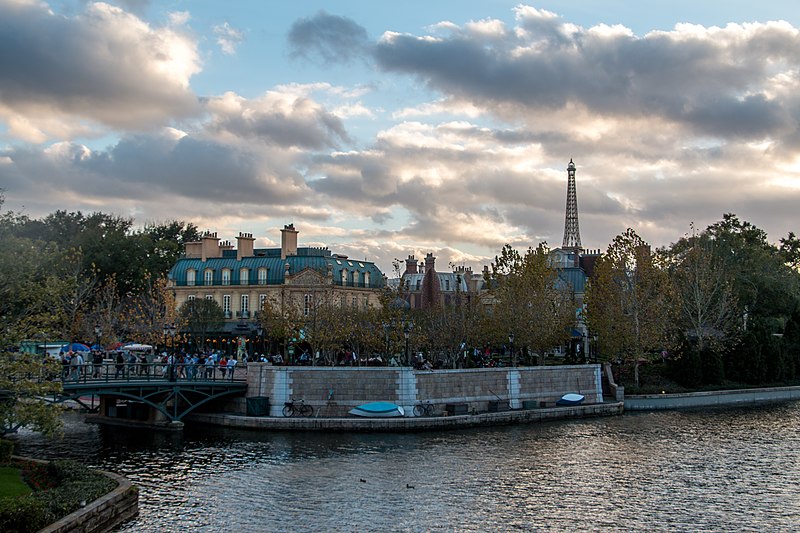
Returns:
(435,423)
(655,402)
(103,514)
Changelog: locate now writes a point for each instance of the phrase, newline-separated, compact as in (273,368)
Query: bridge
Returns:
(172,390)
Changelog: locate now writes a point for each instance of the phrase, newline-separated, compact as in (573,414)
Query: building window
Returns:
(355,278)
(344,276)
(190,298)
(355,302)
(209,297)
(226,276)
(366,279)
(262,276)
(343,303)
(447,284)
(307,305)
(244,276)
(191,276)
(245,305)
(226,305)
(262,299)
(208,277)
(419,284)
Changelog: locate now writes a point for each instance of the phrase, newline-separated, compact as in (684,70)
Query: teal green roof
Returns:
(276,268)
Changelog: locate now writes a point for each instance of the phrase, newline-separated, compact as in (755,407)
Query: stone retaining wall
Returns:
(333,391)
(103,514)
(655,402)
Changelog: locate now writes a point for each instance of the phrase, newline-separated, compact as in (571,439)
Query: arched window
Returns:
(226,276)
(208,276)
(262,276)
(244,276)
(191,276)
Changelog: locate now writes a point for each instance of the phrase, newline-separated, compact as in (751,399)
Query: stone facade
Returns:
(334,391)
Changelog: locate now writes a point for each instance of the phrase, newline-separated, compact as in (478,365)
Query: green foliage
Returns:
(6,449)
(199,317)
(530,300)
(628,302)
(23,379)
(69,484)
(23,514)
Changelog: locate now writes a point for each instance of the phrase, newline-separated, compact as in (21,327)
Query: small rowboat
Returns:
(571,399)
(378,410)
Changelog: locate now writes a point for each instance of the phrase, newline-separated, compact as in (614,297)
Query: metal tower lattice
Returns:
(572,233)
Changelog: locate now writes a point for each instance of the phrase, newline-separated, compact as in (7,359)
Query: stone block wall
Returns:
(333,391)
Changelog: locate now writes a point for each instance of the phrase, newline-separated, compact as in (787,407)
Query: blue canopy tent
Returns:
(74,347)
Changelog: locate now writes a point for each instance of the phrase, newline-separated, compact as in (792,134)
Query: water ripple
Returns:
(721,470)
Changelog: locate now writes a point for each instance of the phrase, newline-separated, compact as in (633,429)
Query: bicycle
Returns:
(423,409)
(297,407)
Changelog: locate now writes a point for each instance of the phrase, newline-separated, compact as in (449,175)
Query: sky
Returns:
(383,130)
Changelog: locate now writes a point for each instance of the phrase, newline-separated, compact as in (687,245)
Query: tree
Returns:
(530,300)
(704,293)
(628,302)
(24,380)
(145,313)
(200,317)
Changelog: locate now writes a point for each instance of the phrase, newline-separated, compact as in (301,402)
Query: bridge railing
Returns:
(139,372)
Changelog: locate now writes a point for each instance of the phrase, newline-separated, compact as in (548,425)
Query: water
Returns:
(721,470)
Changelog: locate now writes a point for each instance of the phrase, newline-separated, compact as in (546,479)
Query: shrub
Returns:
(6,449)
(23,514)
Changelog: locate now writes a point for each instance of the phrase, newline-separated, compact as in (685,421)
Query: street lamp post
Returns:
(169,330)
(513,353)
(386,327)
(407,327)
(260,333)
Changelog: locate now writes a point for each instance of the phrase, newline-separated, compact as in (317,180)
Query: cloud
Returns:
(278,117)
(61,74)
(228,38)
(730,82)
(329,38)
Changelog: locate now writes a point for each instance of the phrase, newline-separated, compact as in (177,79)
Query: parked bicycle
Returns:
(297,407)
(423,409)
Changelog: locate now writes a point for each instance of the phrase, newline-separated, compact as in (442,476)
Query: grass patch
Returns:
(11,484)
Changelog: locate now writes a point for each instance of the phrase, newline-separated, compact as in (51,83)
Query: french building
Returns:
(243,278)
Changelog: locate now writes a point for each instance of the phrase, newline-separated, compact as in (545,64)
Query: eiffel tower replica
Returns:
(572,233)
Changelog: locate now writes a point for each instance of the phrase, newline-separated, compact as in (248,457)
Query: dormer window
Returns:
(262,276)
(208,276)
(191,276)
(226,276)
(244,276)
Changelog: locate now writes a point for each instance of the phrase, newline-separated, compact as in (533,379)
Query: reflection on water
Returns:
(721,470)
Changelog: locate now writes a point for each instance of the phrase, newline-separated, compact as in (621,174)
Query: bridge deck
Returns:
(175,390)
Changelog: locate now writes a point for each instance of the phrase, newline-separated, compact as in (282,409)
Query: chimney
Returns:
(288,241)
(244,245)
(210,246)
(430,262)
(411,265)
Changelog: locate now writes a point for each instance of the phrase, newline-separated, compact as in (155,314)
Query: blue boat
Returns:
(571,399)
(378,410)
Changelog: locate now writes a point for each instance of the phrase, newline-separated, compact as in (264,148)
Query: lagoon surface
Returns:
(717,470)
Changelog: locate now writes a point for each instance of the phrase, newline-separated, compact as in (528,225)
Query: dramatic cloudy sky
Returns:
(387,129)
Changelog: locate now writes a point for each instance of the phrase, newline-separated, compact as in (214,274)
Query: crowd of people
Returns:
(122,364)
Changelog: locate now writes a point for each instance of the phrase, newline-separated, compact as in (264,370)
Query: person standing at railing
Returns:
(231,366)
(76,366)
(119,366)
(97,364)
(209,367)
(223,366)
